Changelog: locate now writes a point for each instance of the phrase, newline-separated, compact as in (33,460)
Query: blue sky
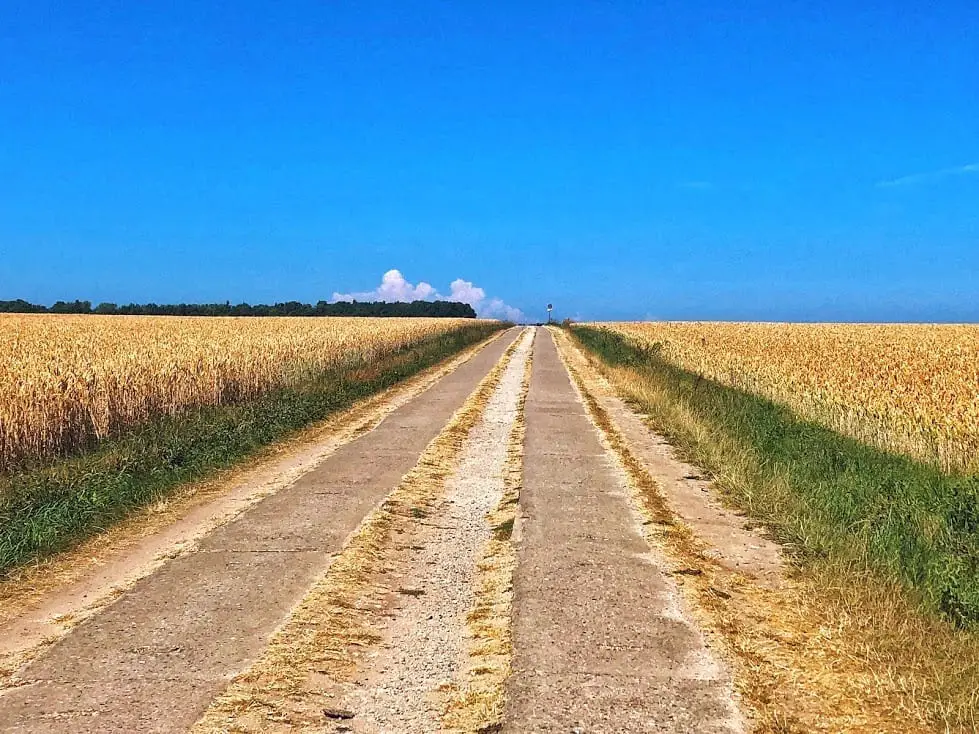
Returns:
(680,159)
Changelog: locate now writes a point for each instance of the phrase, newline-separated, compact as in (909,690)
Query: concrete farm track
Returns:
(594,637)
(153,660)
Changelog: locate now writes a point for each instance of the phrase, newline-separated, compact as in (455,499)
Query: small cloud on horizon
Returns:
(930,177)
(394,288)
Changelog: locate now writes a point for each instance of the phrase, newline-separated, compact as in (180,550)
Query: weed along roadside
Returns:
(825,496)
(885,549)
(50,507)
(155,656)
(361,647)
(68,382)
(553,530)
(602,640)
(906,388)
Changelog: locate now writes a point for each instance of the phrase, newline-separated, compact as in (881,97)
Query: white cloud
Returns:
(497,309)
(931,176)
(465,292)
(395,288)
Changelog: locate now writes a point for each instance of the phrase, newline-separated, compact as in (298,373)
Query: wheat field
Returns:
(66,380)
(908,388)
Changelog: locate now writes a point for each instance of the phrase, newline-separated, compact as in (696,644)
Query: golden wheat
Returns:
(65,380)
(908,388)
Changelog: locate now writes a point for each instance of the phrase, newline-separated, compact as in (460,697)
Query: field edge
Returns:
(51,509)
(918,661)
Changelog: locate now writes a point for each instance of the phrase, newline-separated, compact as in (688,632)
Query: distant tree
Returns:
(21,306)
(72,307)
(444,309)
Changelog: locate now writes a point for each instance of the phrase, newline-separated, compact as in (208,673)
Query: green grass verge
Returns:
(49,508)
(828,497)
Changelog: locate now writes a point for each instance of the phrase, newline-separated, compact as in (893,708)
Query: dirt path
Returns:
(154,659)
(382,591)
(722,534)
(423,659)
(327,646)
(602,642)
(41,603)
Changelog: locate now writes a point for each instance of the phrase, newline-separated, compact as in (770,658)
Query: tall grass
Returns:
(47,508)
(828,497)
(67,382)
(909,388)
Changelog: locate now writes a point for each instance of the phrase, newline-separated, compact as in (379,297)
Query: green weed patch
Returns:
(828,497)
(49,508)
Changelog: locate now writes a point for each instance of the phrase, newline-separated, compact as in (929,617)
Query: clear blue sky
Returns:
(773,159)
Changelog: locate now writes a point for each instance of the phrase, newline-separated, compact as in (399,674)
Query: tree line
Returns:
(437,309)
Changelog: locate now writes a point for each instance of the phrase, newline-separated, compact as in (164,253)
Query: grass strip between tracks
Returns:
(853,638)
(478,704)
(50,508)
(318,644)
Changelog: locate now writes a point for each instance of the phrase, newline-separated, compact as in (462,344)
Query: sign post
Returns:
(549,309)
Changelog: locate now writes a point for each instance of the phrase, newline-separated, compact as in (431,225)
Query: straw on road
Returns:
(155,659)
(601,643)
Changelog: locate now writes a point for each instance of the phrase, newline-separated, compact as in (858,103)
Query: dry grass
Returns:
(907,388)
(478,705)
(68,380)
(832,649)
(318,645)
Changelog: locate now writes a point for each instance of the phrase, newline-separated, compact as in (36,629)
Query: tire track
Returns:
(602,640)
(42,603)
(325,657)
(424,660)
(155,658)
(476,703)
